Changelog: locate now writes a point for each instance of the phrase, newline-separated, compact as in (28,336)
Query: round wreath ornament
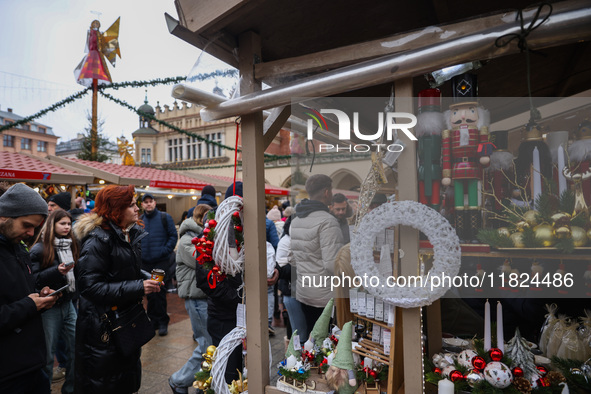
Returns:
(227,345)
(446,252)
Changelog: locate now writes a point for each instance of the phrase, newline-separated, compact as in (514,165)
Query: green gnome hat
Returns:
(290,349)
(344,356)
(320,330)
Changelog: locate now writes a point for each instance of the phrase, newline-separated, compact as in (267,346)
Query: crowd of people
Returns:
(86,266)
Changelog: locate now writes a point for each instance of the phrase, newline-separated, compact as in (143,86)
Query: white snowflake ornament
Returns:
(498,374)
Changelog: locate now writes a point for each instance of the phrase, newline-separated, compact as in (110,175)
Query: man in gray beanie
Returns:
(21,330)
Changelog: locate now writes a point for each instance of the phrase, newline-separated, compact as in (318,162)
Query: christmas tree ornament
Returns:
(517,239)
(518,350)
(478,363)
(545,233)
(447,371)
(543,370)
(517,372)
(531,218)
(465,152)
(521,225)
(504,231)
(437,370)
(430,124)
(579,236)
(205,366)
(495,354)
(465,357)
(562,232)
(498,374)
(456,376)
(473,377)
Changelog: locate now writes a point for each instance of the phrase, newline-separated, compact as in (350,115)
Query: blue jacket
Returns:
(160,242)
(205,199)
(272,237)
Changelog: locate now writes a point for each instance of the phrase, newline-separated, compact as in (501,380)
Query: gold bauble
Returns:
(562,232)
(517,239)
(198,384)
(504,231)
(560,219)
(211,350)
(545,233)
(205,366)
(208,382)
(579,236)
(521,225)
(531,218)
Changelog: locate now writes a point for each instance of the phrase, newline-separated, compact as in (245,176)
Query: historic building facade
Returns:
(31,138)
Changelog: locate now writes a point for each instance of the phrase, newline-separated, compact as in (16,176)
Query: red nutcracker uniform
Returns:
(579,154)
(462,161)
(499,173)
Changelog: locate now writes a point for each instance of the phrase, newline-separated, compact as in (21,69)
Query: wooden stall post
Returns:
(253,171)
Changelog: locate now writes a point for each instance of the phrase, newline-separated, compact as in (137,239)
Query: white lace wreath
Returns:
(446,250)
(227,345)
(227,256)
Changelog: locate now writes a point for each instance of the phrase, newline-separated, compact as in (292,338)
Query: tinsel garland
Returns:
(51,108)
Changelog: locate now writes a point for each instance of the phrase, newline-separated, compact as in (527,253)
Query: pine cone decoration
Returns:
(522,384)
(555,377)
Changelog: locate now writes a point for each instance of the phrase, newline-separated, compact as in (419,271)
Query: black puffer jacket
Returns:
(107,275)
(49,276)
(22,340)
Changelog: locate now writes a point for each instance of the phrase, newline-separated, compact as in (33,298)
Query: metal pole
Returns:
(93,129)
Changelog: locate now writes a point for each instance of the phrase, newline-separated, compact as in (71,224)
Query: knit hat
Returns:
(63,200)
(230,190)
(274,214)
(320,330)
(208,190)
(21,200)
(344,357)
(290,349)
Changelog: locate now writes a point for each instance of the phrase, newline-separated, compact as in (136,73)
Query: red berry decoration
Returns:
(195,240)
(437,370)
(543,370)
(496,354)
(456,375)
(236,214)
(479,363)
(238,228)
(212,223)
(517,372)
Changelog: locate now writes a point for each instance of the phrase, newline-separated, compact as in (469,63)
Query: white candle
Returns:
(445,386)
(487,326)
(290,362)
(537,175)
(308,345)
(500,337)
(561,178)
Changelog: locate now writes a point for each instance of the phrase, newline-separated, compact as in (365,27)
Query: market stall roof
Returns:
(221,183)
(138,176)
(20,167)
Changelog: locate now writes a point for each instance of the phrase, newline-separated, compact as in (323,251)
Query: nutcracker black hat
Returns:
(500,139)
(464,90)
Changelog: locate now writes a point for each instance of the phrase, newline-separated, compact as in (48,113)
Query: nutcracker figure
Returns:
(500,173)
(430,123)
(465,152)
(579,157)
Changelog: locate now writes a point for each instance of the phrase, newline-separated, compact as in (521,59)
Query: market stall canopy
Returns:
(132,175)
(18,167)
(221,183)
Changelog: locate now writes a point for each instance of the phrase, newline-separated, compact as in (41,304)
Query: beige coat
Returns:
(315,242)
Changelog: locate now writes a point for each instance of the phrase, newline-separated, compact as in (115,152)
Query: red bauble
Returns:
(543,370)
(206,231)
(479,363)
(456,376)
(195,240)
(495,354)
(361,362)
(236,214)
(373,374)
(238,228)
(517,372)
(437,370)
(212,223)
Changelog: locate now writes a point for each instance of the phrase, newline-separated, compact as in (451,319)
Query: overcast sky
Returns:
(43,41)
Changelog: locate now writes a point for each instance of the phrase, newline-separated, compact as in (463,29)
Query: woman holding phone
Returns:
(53,257)
(109,279)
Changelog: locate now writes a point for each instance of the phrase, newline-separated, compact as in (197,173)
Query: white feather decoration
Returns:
(579,151)
(429,123)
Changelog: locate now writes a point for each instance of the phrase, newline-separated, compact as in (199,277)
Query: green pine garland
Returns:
(300,377)
(574,381)
(494,238)
(529,238)
(567,201)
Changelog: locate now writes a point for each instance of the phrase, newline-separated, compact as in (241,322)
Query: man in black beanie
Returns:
(207,197)
(22,339)
(61,200)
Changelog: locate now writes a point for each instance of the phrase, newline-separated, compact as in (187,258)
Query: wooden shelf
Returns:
(379,323)
(525,254)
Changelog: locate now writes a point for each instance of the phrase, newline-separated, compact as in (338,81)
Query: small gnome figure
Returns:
(341,373)
(321,328)
(292,356)
(430,124)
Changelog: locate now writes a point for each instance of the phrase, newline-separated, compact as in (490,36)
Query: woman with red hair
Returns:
(108,277)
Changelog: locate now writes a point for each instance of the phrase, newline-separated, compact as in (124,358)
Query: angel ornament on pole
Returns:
(93,69)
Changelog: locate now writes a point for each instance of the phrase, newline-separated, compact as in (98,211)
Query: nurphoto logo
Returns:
(402,121)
